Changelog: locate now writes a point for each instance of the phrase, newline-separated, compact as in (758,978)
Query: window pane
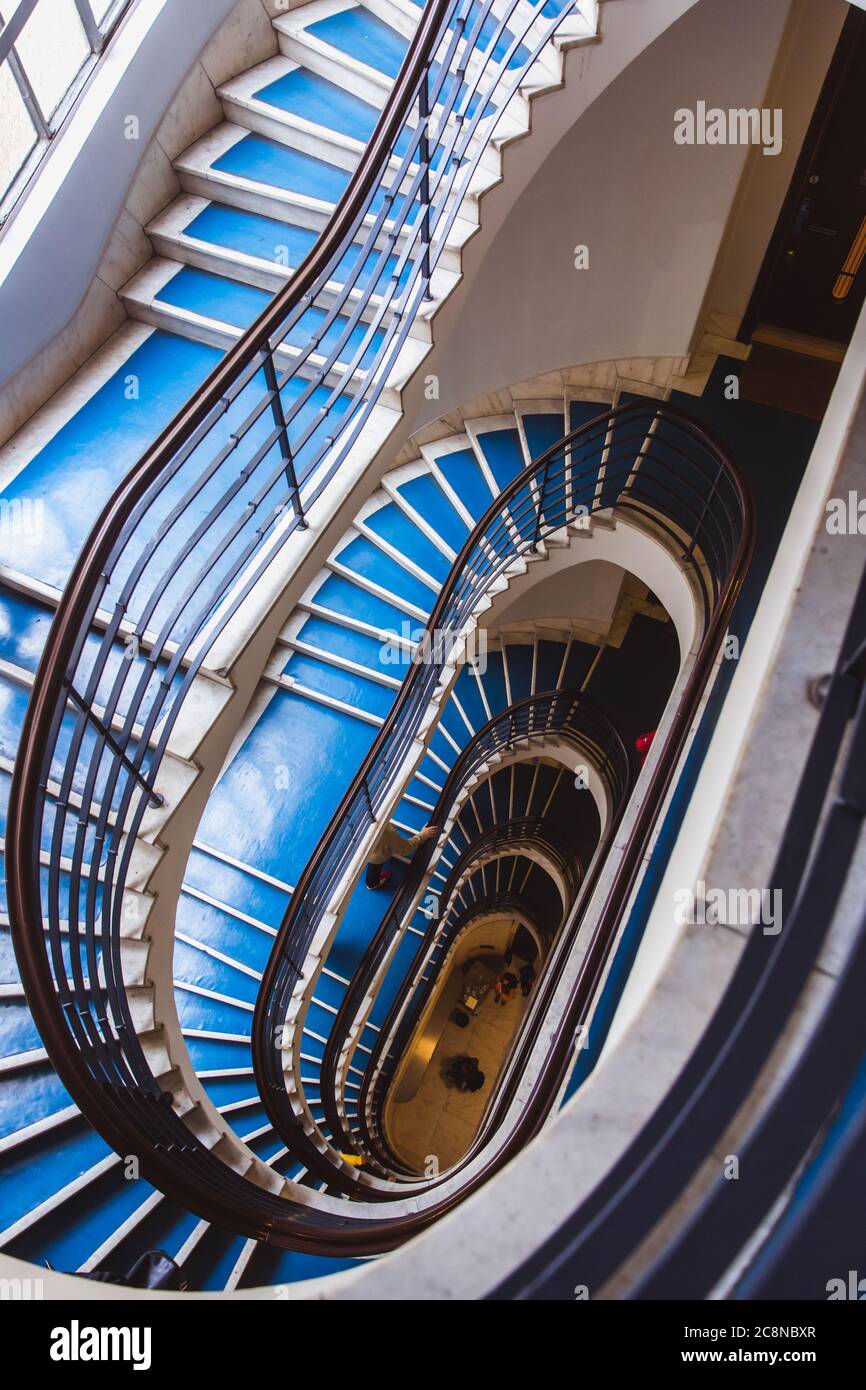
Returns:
(17,134)
(100,9)
(53,47)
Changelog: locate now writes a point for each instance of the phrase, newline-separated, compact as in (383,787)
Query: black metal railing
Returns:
(179,550)
(177,553)
(517,836)
(650,462)
(506,842)
(576,724)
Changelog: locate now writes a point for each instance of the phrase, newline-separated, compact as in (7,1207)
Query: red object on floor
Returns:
(644,743)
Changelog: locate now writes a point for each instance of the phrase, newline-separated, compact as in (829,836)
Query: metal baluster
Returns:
(156,798)
(540,510)
(706,507)
(424,192)
(285,446)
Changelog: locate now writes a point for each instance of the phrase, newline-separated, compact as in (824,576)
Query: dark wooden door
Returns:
(814,280)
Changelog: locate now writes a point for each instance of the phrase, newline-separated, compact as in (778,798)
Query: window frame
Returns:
(97,35)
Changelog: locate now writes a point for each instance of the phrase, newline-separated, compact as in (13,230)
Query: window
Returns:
(47,49)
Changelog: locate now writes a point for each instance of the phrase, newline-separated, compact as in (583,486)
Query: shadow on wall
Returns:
(650,213)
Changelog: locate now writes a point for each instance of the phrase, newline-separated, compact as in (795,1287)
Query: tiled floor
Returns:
(438,1123)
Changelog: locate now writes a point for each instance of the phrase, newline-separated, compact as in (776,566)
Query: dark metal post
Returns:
(155,797)
(540,511)
(285,446)
(706,507)
(424,157)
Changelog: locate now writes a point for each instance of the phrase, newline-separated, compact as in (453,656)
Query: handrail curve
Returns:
(182,544)
(565,716)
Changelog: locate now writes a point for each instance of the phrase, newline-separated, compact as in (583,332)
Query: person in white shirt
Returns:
(390,845)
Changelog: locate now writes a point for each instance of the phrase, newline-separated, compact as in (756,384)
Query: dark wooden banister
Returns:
(189,1172)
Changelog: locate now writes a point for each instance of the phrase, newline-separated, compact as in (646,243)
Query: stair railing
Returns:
(526,837)
(184,541)
(661,469)
(575,723)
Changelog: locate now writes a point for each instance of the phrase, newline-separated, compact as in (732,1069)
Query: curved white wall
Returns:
(652,213)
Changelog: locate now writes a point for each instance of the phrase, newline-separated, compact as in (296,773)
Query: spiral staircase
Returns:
(218,1071)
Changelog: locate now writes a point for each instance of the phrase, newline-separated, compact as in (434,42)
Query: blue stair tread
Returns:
(365,559)
(363,36)
(214,296)
(580,659)
(502,450)
(432,770)
(401,533)
(500,786)
(213,1259)
(267,161)
(387,657)
(212,1015)
(212,1054)
(519,660)
(18,1032)
(586,457)
(236,887)
(226,1090)
(277,795)
(462,472)
(407,813)
(428,500)
(542,432)
(390,986)
(230,301)
(351,689)
(439,745)
(451,720)
(9,974)
(467,692)
(343,596)
(198,968)
(166,1228)
(304,93)
(493,678)
(282,243)
(38,1169)
(75,472)
(252,233)
(550,656)
(31,1095)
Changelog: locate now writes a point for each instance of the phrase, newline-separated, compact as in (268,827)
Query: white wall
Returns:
(652,213)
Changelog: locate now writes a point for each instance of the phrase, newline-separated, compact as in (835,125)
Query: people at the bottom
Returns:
(390,844)
(464,1073)
(505,988)
(527,979)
